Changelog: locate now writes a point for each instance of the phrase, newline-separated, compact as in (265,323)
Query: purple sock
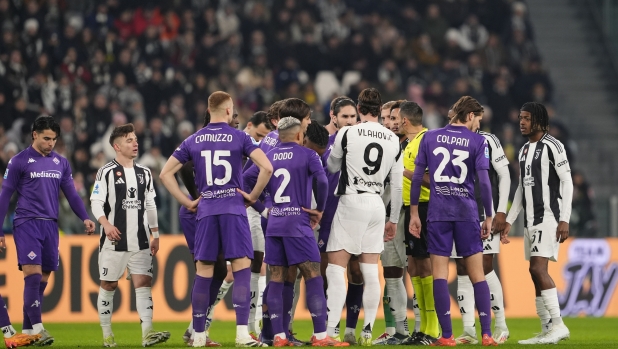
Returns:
(199,301)
(241,295)
(288,303)
(32,302)
(353,303)
(27,325)
(483,305)
(267,329)
(275,306)
(443,306)
(214,291)
(4,314)
(316,303)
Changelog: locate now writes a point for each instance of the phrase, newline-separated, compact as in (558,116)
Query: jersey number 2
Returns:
(217,160)
(460,156)
(286,180)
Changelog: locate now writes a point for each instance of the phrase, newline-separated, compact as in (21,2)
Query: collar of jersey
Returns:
(35,153)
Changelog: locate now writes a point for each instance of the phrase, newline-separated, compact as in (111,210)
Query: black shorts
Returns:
(417,247)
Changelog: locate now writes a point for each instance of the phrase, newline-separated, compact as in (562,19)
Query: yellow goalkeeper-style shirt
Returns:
(409,155)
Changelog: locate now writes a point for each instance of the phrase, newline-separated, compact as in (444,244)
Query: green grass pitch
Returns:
(585,333)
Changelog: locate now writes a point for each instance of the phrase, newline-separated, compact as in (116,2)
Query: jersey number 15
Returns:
(217,160)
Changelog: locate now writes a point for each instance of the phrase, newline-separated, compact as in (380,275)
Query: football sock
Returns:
(433,326)
(32,301)
(550,299)
(316,303)
(105,305)
(443,307)
(483,305)
(267,329)
(497,299)
(4,315)
(417,314)
(371,298)
(465,300)
(225,287)
(388,315)
(543,314)
(336,298)
(353,302)
(420,297)
(143,300)
(255,277)
(258,308)
(398,303)
(294,303)
(241,299)
(275,306)
(199,302)
(288,303)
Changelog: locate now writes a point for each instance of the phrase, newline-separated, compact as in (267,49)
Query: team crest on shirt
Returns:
(141,178)
(56,161)
(537,153)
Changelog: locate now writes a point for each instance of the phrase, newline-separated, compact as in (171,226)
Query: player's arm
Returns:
(396,173)
(333,163)
(409,174)
(516,207)
(563,169)
(151,214)
(486,198)
(501,165)
(415,188)
(10,183)
(249,178)
(266,170)
(168,179)
(188,179)
(320,188)
(97,202)
(75,201)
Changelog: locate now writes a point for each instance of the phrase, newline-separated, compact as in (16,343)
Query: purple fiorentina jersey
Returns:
(453,154)
(290,189)
(37,180)
(217,151)
(266,144)
(333,179)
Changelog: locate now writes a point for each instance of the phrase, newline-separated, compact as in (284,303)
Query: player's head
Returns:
(206,118)
(298,109)
(273,112)
(316,138)
(221,107)
(385,114)
(45,132)
(234,122)
(469,112)
(259,125)
(290,130)
(124,141)
(369,102)
(343,112)
(450,114)
(396,118)
(533,118)
(411,115)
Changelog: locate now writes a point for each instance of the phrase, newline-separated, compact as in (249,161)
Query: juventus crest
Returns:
(141,178)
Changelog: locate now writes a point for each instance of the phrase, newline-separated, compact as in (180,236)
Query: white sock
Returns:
(543,314)
(550,299)
(497,299)
(320,335)
(417,315)
(372,294)
(105,305)
(398,303)
(190,328)
(465,300)
(336,296)
(143,300)
(391,330)
(295,302)
(242,332)
(225,286)
(37,328)
(258,310)
(8,331)
(254,300)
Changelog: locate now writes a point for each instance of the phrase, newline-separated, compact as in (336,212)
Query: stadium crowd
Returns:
(96,64)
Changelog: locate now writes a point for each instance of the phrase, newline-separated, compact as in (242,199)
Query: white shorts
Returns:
(113,263)
(540,240)
(255,225)
(490,246)
(394,254)
(358,225)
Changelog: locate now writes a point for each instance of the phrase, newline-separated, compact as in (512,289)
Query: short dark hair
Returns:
(273,110)
(45,122)
(369,102)
(317,134)
(540,117)
(411,111)
(261,117)
(340,102)
(466,105)
(294,107)
(397,104)
(120,131)
(206,118)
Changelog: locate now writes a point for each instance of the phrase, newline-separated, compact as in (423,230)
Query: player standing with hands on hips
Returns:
(453,155)
(37,174)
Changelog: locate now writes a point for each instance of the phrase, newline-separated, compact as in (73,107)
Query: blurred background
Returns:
(95,64)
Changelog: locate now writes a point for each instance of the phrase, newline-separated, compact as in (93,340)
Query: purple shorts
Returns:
(323,235)
(227,234)
(467,237)
(286,251)
(36,242)
(187,223)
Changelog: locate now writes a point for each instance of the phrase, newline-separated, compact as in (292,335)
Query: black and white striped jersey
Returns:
(497,160)
(541,164)
(125,195)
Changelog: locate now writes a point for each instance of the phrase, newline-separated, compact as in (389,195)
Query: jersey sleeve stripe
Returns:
(103,170)
(492,137)
(555,142)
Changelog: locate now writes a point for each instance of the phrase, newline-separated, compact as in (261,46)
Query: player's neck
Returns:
(331,128)
(38,151)
(413,131)
(368,118)
(535,137)
(125,162)
(218,119)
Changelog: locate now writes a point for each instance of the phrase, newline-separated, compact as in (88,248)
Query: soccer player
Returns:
(289,235)
(38,174)
(122,200)
(12,339)
(259,126)
(385,114)
(498,172)
(545,192)
(453,155)
(365,154)
(217,152)
(342,113)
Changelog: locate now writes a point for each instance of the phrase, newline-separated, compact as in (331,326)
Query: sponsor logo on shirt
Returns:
(46,174)
(561,163)
(500,158)
(529,182)
(120,181)
(56,161)
(218,194)
(451,191)
(360,181)
(31,160)
(286,211)
(128,204)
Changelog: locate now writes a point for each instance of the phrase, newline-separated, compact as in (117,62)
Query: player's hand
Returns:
(486,228)
(247,197)
(415,226)
(2,244)
(390,230)
(154,246)
(562,232)
(112,232)
(315,216)
(89,226)
(504,235)
(499,222)
(193,206)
